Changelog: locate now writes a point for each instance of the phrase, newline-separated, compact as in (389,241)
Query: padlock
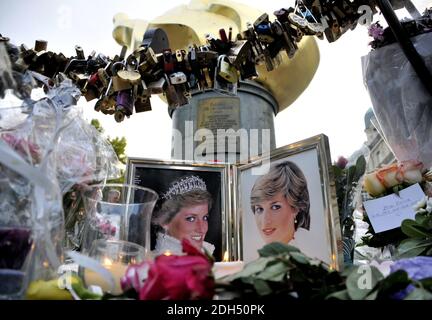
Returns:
(289,45)
(79,79)
(79,52)
(177,78)
(142,104)
(217,45)
(142,90)
(145,57)
(124,102)
(264,32)
(118,84)
(206,79)
(130,76)
(239,52)
(103,77)
(40,45)
(206,57)
(225,77)
(248,70)
(91,93)
(106,105)
(157,87)
(179,56)
(175,95)
(226,70)
(168,61)
(119,116)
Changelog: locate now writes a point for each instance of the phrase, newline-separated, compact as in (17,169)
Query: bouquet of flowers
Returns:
(400,101)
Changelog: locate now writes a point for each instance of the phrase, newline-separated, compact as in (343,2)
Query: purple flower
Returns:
(376,31)
(418,268)
(342,162)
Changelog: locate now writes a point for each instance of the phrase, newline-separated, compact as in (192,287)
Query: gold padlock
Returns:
(227,71)
(118,84)
(130,76)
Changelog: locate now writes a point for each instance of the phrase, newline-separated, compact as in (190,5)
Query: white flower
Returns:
(421,204)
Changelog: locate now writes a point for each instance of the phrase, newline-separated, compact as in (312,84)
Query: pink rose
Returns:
(135,276)
(179,277)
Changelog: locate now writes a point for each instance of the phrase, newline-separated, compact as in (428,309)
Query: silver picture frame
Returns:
(323,240)
(157,175)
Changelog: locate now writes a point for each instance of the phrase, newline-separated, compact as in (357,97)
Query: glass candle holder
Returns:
(117,212)
(114,256)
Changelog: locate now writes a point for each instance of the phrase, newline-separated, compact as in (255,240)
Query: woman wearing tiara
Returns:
(184,214)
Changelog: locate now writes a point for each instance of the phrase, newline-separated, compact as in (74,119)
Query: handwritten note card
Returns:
(388,212)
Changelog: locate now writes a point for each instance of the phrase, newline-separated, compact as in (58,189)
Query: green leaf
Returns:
(261,287)
(361,281)
(275,272)
(338,172)
(299,257)
(426,282)
(425,222)
(251,268)
(413,230)
(340,295)
(419,294)
(360,168)
(393,283)
(276,248)
(351,175)
(412,247)
(420,218)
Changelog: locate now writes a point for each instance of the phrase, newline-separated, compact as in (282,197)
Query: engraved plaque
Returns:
(221,113)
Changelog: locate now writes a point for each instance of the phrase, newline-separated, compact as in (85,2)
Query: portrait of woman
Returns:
(280,203)
(184,214)
(287,197)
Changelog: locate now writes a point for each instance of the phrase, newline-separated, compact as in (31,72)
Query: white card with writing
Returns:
(388,212)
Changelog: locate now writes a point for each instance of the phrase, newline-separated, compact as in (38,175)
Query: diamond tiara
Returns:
(184,185)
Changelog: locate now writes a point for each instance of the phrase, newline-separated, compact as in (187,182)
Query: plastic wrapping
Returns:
(45,148)
(401,104)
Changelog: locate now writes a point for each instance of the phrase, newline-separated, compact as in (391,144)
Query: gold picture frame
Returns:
(323,240)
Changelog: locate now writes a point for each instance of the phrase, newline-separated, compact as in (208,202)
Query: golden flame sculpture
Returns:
(187,24)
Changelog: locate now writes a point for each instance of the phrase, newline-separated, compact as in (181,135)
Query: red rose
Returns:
(179,277)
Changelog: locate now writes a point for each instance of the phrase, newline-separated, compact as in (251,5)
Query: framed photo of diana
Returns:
(288,197)
(193,203)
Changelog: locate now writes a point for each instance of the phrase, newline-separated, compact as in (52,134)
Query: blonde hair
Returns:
(285,177)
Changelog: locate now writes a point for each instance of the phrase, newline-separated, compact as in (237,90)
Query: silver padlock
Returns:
(239,52)
(177,78)
(157,87)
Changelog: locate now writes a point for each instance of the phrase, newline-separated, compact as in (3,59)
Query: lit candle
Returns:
(117,269)
(167,253)
(225,268)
